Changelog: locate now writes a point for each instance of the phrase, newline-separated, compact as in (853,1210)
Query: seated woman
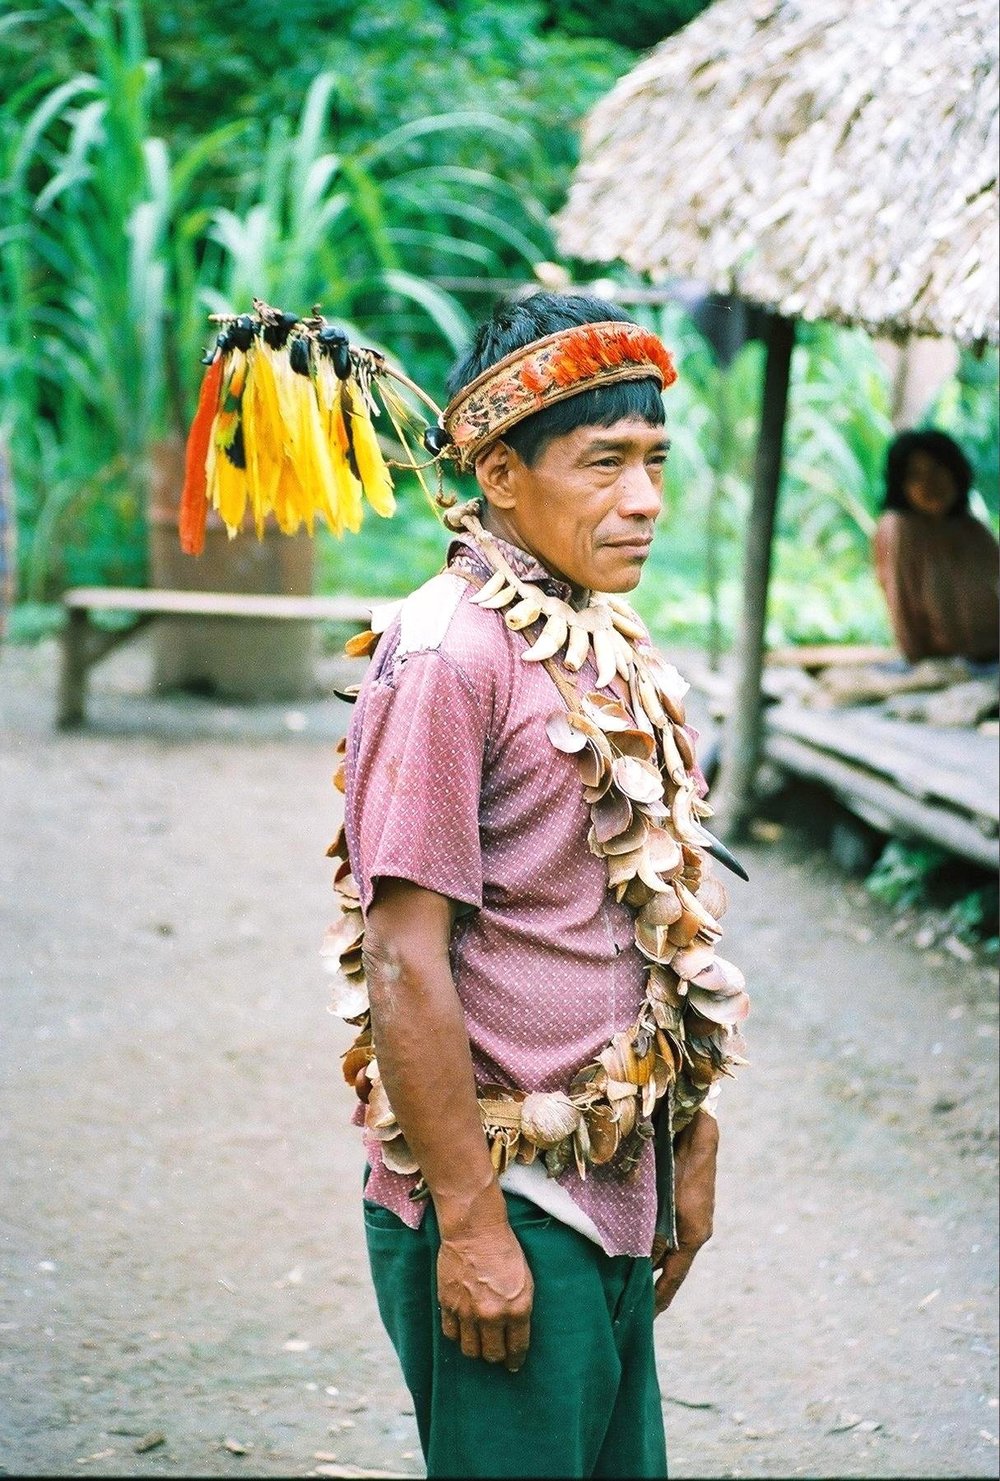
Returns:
(938,565)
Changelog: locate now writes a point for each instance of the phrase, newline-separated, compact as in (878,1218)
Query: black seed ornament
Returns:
(334,342)
(436,439)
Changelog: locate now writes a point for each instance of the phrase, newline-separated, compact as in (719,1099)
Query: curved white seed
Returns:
(524,614)
(672,758)
(628,622)
(651,700)
(623,654)
(503,598)
(491,588)
(682,817)
(604,654)
(577,648)
(549,641)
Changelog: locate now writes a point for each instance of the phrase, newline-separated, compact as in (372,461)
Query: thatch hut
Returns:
(826,159)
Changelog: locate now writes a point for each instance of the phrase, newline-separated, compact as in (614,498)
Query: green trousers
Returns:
(585,1403)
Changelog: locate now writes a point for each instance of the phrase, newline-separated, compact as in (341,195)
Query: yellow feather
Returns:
(252,439)
(288,499)
(323,490)
(375,477)
(232,493)
(349,506)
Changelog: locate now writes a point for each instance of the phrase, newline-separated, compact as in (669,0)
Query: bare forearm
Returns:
(484,1285)
(426,1067)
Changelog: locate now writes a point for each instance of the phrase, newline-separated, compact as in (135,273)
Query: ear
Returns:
(496,474)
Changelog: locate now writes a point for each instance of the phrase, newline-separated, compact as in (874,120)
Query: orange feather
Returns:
(194,497)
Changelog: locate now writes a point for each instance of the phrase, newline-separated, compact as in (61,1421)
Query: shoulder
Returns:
(976,532)
(889,524)
(439,624)
(427,614)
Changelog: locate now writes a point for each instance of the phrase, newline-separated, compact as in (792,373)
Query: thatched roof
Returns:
(832,159)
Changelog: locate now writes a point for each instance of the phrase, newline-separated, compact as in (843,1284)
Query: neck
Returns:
(498,523)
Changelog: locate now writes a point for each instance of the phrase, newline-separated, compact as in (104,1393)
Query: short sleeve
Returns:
(414,777)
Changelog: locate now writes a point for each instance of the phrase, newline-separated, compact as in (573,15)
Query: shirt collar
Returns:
(525,566)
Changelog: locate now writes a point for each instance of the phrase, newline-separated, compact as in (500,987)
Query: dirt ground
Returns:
(183,1282)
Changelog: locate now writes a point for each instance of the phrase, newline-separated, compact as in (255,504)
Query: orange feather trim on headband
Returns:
(547,371)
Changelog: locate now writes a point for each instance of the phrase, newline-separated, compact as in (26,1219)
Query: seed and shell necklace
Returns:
(637,766)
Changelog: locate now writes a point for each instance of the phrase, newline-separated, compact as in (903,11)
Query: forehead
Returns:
(628,435)
(922,461)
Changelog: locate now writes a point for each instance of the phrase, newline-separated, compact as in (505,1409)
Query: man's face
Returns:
(587,506)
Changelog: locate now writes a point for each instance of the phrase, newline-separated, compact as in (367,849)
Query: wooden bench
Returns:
(83,644)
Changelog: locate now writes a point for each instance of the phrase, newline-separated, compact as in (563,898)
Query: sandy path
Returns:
(180,1233)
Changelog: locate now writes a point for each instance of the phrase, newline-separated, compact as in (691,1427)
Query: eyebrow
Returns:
(612,444)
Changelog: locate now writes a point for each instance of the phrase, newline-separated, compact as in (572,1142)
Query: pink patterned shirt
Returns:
(453,784)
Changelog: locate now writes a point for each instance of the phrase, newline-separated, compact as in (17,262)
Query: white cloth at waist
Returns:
(531,1181)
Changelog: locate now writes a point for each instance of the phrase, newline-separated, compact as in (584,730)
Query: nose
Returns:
(641,494)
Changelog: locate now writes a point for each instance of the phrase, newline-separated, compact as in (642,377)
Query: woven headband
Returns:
(547,371)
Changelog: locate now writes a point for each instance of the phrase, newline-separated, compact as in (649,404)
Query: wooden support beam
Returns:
(733,795)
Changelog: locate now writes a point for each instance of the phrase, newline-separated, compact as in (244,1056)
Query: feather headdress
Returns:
(284,428)
(284,425)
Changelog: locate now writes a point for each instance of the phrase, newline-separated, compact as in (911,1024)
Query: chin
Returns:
(622,579)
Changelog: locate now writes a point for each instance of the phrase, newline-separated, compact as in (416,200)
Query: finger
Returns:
(518,1338)
(450,1325)
(675,1268)
(493,1342)
(468,1339)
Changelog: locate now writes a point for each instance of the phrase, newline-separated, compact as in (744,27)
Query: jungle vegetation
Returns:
(158,163)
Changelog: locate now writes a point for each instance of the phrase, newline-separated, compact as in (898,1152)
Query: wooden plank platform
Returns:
(83,644)
(954,765)
(907,779)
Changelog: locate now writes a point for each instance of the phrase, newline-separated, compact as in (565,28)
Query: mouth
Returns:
(639,549)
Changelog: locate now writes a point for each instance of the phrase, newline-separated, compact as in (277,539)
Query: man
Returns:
(511,917)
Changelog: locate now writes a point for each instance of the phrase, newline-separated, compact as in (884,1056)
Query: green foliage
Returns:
(903,872)
(163,162)
(349,157)
(823,587)
(969,409)
(907,876)
(638,24)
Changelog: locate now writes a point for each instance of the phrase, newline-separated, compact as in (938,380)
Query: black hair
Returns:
(937,445)
(512,325)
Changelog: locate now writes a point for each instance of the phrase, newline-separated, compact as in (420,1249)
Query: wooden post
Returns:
(733,799)
(73,672)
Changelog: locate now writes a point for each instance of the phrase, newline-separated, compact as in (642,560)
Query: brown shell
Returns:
(611,815)
(361,645)
(685,746)
(711,893)
(662,910)
(397,1156)
(356,1058)
(690,960)
(604,1133)
(610,714)
(338,848)
(638,894)
(637,743)
(632,838)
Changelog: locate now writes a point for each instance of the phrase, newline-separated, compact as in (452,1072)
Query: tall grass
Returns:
(113,258)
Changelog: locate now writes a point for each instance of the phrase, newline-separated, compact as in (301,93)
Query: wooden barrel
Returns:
(252,660)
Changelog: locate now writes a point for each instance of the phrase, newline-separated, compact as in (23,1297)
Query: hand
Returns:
(485,1290)
(695,1150)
